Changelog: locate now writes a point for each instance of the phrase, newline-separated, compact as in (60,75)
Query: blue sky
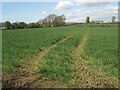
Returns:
(74,11)
(25,11)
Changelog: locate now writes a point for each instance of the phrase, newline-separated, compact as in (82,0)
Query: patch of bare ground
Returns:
(27,75)
(87,75)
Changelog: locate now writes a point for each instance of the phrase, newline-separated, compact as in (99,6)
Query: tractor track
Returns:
(86,74)
(27,75)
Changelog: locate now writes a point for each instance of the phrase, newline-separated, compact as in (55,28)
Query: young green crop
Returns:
(57,64)
(102,46)
(20,44)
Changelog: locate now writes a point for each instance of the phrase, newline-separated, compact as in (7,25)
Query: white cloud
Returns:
(116,8)
(80,15)
(64,5)
(94,2)
(81,1)
(58,0)
(44,12)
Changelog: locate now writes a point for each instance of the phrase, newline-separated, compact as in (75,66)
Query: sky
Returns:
(75,11)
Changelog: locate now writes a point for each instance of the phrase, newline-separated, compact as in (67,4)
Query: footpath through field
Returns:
(27,74)
(87,75)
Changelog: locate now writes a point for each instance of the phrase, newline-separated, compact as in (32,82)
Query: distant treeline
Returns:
(51,20)
(19,25)
(91,24)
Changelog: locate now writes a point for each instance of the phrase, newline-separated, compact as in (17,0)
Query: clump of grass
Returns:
(41,49)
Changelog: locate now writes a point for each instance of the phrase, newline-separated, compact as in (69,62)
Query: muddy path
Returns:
(87,75)
(27,75)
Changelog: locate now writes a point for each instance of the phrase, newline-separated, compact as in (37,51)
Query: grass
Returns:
(57,64)
(0,59)
(97,25)
(102,45)
(20,44)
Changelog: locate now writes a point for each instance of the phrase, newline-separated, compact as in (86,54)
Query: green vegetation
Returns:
(51,20)
(102,46)
(0,59)
(96,25)
(19,44)
(57,64)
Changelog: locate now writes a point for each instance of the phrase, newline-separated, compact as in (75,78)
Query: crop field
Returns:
(56,65)
(23,43)
(69,56)
(102,45)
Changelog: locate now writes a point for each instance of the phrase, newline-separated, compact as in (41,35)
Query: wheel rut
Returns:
(87,75)
(27,75)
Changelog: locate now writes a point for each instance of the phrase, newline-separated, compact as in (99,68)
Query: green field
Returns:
(57,64)
(19,44)
(101,47)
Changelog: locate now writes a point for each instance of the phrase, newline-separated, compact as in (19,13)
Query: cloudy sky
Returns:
(74,11)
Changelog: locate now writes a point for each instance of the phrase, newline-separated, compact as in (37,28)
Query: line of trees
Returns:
(19,25)
(51,20)
(88,20)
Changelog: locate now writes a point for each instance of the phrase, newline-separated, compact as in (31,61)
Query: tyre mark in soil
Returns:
(86,73)
(28,76)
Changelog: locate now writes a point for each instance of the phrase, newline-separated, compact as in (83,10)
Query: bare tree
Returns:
(52,20)
(59,20)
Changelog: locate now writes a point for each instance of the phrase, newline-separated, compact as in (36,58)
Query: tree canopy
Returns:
(51,20)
